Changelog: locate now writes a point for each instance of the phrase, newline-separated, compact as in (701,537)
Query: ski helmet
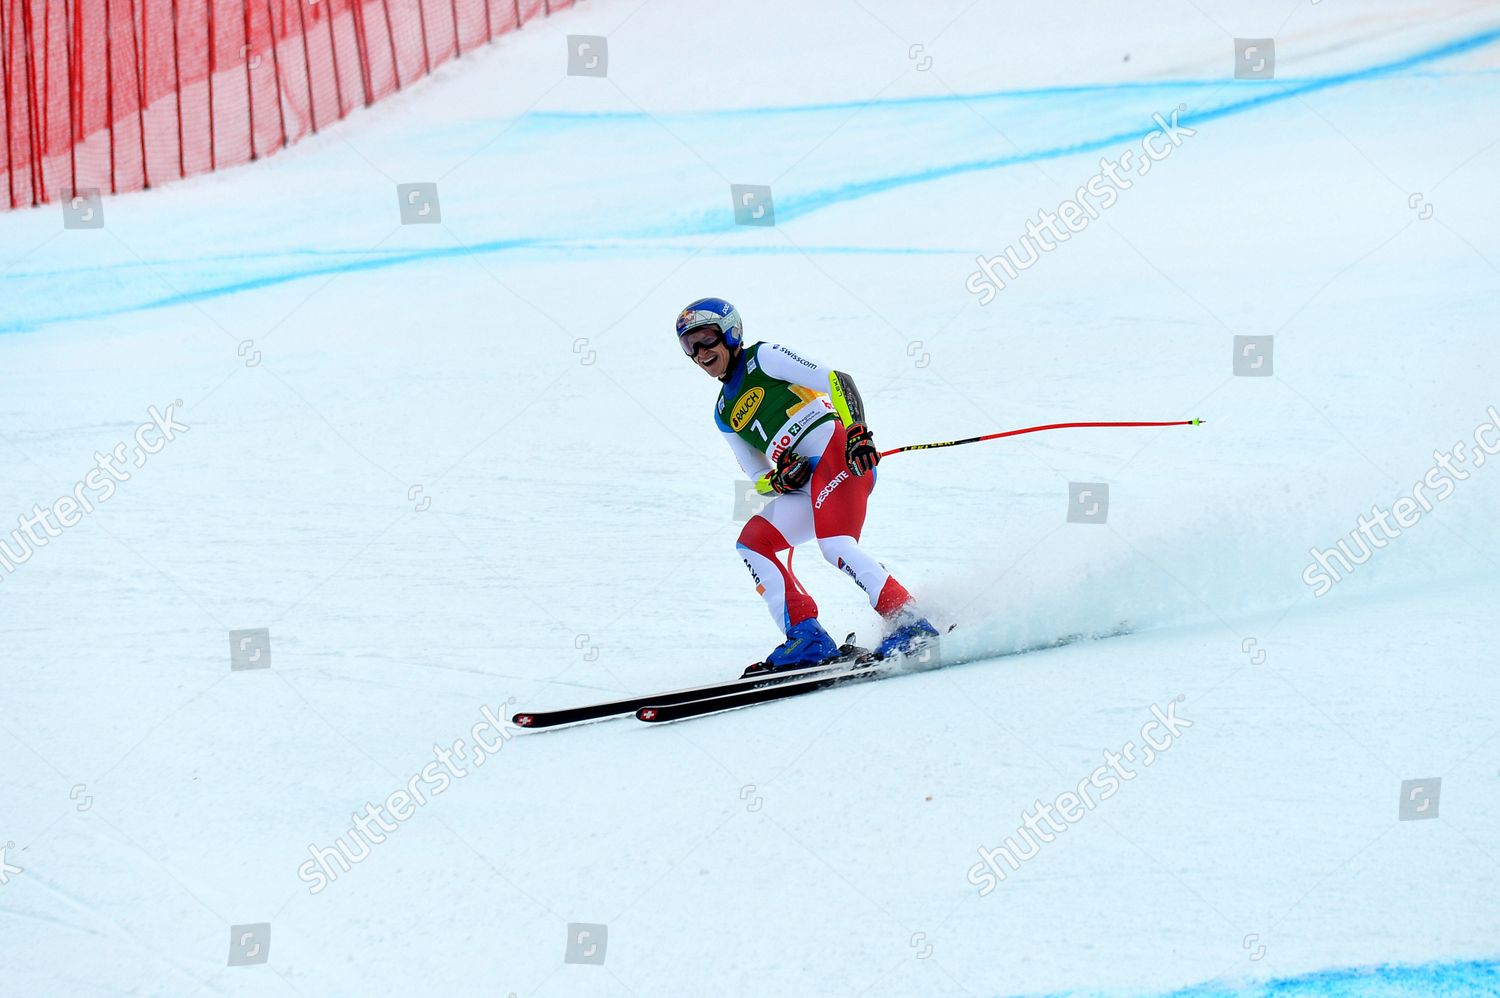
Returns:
(714,312)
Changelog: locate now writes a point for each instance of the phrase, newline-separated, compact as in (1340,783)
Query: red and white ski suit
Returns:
(830,509)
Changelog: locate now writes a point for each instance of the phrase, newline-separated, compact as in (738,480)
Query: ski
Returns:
(872,668)
(628,705)
(655,712)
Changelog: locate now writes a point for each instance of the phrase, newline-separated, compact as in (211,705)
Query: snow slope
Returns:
(338,370)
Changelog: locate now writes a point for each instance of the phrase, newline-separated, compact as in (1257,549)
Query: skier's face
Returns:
(707,349)
(714,360)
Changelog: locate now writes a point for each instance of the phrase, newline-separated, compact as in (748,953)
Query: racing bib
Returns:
(768,414)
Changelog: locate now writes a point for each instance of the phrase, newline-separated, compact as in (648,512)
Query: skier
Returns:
(818,458)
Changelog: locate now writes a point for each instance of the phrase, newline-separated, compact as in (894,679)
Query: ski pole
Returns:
(1029,429)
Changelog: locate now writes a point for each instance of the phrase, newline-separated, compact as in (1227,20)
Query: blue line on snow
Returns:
(396,258)
(558,245)
(819,200)
(931,99)
(1446,977)
(797,206)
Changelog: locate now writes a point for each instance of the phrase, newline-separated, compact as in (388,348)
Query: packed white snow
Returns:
(463,468)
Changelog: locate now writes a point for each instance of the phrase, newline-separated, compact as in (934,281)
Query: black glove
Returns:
(859,449)
(791,473)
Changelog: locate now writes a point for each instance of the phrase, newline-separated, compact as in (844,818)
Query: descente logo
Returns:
(838,480)
(744,409)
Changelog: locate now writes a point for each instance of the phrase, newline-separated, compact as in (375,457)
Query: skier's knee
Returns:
(834,549)
(761,537)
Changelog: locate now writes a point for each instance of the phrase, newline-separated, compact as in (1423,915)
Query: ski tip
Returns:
(646,714)
(1197,421)
(523,720)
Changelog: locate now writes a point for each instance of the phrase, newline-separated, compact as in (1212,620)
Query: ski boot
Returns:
(806,645)
(909,636)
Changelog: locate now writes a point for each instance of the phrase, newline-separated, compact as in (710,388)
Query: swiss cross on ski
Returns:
(797,429)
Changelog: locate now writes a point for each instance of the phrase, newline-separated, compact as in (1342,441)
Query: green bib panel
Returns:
(767,413)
